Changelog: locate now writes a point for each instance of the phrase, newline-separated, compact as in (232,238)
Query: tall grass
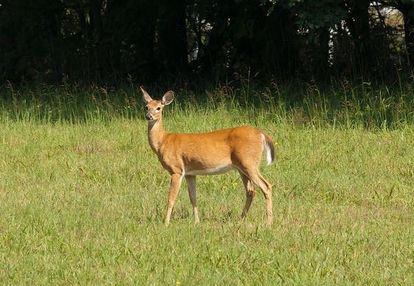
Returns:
(340,106)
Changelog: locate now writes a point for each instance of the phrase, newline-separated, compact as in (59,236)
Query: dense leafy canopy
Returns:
(116,40)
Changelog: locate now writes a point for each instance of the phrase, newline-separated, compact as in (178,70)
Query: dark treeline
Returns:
(112,41)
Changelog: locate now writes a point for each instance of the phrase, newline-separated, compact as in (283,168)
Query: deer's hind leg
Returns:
(191,182)
(253,175)
(250,193)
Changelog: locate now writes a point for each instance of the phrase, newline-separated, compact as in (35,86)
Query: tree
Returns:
(30,40)
(172,36)
(112,40)
(407,9)
(359,26)
(317,20)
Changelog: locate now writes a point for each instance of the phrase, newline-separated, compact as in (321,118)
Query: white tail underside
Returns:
(268,153)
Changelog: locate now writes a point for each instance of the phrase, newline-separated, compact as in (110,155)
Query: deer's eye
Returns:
(158,108)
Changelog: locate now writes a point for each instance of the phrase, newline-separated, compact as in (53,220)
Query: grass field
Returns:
(82,196)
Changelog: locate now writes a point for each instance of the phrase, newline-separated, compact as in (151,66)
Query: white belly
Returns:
(211,171)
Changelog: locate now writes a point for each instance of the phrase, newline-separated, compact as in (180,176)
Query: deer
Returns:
(187,155)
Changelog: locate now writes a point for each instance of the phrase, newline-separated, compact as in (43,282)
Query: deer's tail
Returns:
(269,148)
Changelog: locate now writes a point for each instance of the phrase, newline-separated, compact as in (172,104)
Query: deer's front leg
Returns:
(174,189)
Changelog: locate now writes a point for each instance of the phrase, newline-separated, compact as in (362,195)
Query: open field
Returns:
(82,197)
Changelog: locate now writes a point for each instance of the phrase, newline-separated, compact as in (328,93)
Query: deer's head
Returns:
(155,107)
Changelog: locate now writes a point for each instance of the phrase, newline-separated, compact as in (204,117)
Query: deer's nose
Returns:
(148,116)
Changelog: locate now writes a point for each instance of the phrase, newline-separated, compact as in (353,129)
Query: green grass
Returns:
(82,196)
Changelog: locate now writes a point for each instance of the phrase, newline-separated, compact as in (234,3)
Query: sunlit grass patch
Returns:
(83,198)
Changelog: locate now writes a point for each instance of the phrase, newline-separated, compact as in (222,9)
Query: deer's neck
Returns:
(156,134)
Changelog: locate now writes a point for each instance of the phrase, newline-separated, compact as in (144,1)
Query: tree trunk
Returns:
(408,14)
(172,36)
(322,59)
(54,20)
(95,35)
(281,48)
(358,22)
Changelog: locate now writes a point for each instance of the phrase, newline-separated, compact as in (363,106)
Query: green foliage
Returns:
(320,14)
(111,41)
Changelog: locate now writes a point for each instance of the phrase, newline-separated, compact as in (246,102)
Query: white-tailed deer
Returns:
(189,155)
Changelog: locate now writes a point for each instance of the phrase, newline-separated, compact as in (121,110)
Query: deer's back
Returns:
(214,151)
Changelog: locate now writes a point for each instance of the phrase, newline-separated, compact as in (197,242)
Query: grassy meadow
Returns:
(82,196)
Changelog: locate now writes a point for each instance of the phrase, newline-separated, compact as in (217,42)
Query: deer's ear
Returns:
(168,97)
(147,98)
